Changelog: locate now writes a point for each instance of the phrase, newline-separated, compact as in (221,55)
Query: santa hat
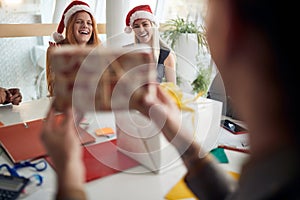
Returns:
(139,12)
(72,8)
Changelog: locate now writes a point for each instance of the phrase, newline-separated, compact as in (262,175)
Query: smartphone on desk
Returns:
(233,127)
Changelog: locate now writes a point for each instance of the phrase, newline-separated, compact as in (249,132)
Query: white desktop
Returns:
(136,183)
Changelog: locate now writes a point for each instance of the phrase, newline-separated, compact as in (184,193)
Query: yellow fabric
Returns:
(235,175)
(182,102)
(177,95)
(181,191)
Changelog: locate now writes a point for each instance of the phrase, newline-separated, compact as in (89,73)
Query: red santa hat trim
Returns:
(73,7)
(139,12)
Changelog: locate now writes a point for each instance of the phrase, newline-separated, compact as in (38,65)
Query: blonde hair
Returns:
(157,42)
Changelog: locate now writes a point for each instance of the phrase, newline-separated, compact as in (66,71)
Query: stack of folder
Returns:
(22,142)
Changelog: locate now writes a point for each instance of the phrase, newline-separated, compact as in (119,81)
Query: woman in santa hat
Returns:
(81,30)
(141,20)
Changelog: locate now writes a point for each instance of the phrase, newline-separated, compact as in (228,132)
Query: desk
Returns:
(124,185)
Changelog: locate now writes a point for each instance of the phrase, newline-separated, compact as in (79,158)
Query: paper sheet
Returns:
(181,191)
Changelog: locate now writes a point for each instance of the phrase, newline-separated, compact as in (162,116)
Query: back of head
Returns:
(271,18)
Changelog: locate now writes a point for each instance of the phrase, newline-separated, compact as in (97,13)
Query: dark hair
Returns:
(271,18)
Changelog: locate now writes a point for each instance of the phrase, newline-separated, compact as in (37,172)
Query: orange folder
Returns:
(103,159)
(22,141)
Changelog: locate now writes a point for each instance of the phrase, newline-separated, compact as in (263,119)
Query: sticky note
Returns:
(106,131)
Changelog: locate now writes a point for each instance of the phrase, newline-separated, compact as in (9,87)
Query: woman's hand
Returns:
(3,95)
(16,96)
(12,95)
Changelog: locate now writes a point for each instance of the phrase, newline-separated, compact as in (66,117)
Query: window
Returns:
(194,9)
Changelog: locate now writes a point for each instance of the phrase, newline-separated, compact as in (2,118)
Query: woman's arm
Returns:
(170,67)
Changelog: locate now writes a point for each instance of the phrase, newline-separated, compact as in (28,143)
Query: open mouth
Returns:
(84,32)
(143,35)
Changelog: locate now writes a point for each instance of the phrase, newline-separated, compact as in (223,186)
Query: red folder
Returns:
(22,141)
(104,159)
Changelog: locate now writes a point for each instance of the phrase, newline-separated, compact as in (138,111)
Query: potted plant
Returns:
(174,28)
(201,83)
(187,38)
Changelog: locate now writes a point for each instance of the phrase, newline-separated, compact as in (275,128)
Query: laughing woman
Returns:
(145,26)
(81,30)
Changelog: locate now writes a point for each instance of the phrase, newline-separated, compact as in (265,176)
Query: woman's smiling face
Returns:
(143,30)
(83,27)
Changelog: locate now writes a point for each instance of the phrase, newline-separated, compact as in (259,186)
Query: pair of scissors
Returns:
(39,166)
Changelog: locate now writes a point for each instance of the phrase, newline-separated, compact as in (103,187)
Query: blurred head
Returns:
(253,51)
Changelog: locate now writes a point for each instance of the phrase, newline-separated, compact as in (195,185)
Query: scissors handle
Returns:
(38,166)
(12,171)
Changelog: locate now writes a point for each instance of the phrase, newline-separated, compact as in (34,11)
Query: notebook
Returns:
(103,159)
(22,141)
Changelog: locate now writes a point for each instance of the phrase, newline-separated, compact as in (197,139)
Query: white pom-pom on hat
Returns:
(127,29)
(57,37)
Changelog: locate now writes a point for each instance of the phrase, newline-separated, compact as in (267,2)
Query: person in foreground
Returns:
(11,95)
(256,60)
(81,30)
(145,26)
(67,159)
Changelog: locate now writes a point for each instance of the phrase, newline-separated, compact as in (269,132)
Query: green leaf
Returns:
(178,26)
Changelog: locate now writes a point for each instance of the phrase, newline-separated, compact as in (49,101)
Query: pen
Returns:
(233,148)
(25,124)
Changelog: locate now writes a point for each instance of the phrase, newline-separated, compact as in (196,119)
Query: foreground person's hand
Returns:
(64,148)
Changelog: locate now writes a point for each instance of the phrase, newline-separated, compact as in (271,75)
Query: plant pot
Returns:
(186,49)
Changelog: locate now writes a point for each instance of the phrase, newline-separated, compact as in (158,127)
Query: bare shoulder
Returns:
(171,60)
